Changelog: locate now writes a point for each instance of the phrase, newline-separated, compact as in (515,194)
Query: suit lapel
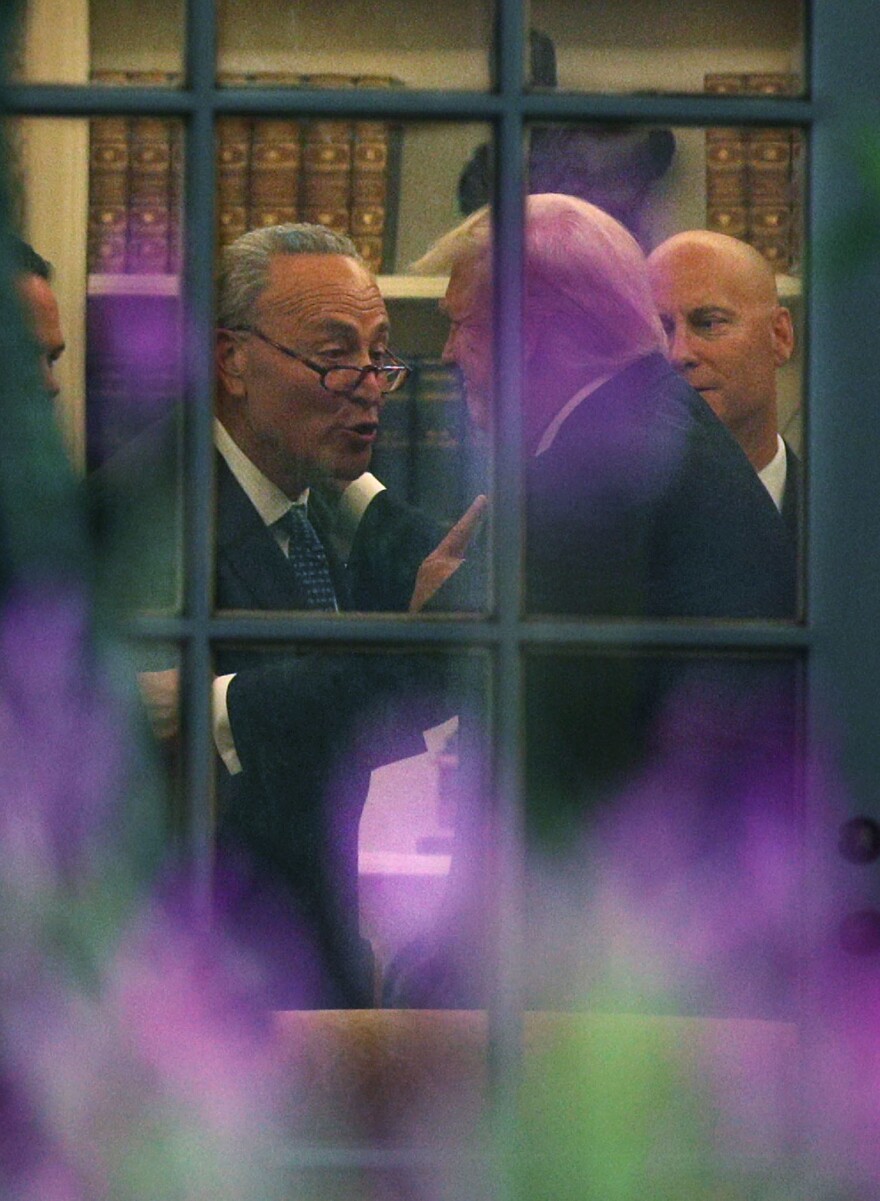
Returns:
(252,572)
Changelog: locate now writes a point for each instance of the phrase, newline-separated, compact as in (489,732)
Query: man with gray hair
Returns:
(303,367)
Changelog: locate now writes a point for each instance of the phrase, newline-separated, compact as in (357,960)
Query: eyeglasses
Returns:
(391,373)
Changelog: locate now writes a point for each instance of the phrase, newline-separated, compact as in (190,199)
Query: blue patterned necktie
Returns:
(309,559)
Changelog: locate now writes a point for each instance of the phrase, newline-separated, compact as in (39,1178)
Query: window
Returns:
(830,652)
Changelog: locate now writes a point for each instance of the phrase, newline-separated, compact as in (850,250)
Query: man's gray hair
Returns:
(244,265)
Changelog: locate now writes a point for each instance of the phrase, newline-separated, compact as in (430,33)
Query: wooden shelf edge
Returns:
(393,287)
(789,287)
(413,287)
(133,285)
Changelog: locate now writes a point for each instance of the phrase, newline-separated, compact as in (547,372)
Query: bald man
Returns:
(728,334)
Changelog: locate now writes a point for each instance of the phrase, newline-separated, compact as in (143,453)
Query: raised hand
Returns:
(448,556)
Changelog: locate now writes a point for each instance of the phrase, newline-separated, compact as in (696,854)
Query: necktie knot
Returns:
(308,559)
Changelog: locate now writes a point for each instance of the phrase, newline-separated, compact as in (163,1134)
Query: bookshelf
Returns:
(655,47)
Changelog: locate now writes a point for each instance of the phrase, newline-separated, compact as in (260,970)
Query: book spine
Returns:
(233,150)
(107,228)
(770,175)
(175,198)
(392,460)
(149,196)
(439,458)
(726,159)
(274,172)
(327,157)
(770,199)
(369,190)
(750,192)
(108,194)
(370,182)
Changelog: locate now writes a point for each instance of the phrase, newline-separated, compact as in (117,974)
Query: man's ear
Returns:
(230,357)
(783,335)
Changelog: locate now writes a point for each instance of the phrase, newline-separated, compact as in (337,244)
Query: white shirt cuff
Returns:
(353,504)
(223,739)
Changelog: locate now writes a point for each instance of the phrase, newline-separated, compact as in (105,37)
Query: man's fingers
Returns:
(456,542)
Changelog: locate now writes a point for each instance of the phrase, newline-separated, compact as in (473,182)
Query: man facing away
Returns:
(637,501)
(638,504)
(728,336)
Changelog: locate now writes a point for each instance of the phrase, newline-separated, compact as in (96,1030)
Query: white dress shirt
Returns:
(272,504)
(773,476)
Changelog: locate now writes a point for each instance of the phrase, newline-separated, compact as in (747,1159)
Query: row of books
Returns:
(754,186)
(423,453)
(339,173)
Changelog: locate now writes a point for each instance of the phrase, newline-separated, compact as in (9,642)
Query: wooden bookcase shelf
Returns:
(646,45)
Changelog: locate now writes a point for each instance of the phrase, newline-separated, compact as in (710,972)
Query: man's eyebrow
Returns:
(342,329)
(709,310)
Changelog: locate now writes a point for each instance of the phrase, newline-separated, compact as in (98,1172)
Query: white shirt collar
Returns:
(549,435)
(773,475)
(267,498)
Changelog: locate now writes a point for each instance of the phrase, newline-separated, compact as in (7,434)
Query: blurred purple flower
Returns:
(62,745)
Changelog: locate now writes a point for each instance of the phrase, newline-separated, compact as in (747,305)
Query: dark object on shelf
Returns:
(609,165)
(542,60)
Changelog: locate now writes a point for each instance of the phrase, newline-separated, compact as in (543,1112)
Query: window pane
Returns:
(664,833)
(137,44)
(100,201)
(651,46)
(409,45)
(343,782)
(392,189)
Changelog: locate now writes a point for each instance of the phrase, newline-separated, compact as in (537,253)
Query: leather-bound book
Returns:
(726,160)
(108,186)
(175,198)
(770,198)
(233,137)
(149,196)
(770,174)
(370,183)
(440,461)
(327,158)
(274,171)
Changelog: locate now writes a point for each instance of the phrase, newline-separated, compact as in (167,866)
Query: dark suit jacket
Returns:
(308,730)
(643,506)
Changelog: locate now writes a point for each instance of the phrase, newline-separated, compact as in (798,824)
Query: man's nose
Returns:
(447,354)
(681,351)
(368,392)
